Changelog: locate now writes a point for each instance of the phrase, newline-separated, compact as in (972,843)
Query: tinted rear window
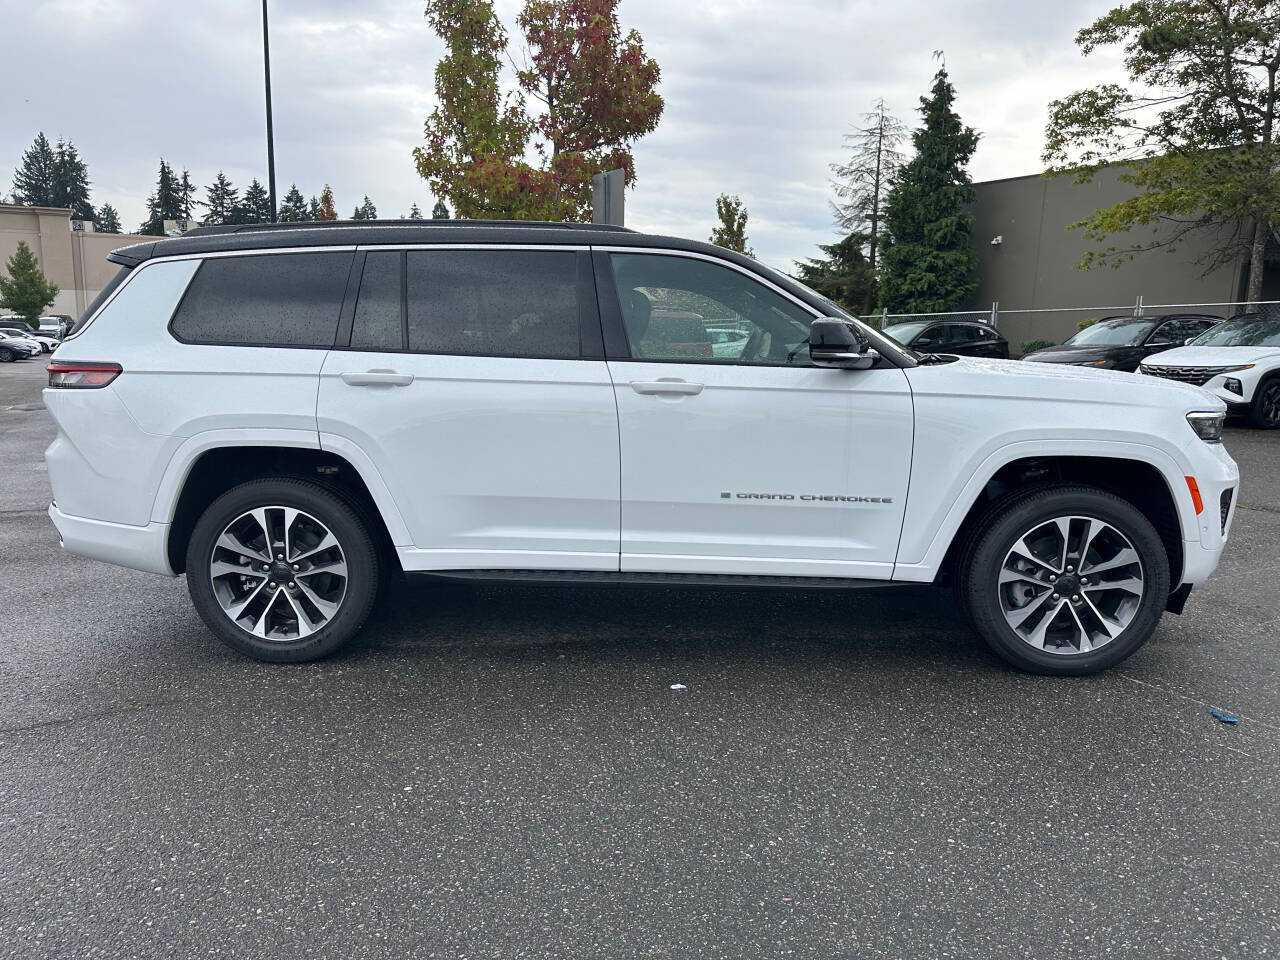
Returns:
(521,303)
(279,299)
(378,308)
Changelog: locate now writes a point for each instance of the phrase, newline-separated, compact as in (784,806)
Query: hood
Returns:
(978,377)
(1073,353)
(1211,356)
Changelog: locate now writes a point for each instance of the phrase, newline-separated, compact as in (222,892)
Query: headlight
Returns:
(1208,426)
(1104,362)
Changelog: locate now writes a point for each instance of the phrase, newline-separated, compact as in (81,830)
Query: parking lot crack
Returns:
(118,710)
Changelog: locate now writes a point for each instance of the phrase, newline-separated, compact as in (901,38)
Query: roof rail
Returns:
(225,228)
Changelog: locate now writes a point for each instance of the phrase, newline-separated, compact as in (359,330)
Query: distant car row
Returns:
(1238,360)
(18,341)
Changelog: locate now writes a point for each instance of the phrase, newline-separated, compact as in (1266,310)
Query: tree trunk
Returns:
(1257,262)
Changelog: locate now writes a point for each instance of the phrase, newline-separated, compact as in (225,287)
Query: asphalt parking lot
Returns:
(501,771)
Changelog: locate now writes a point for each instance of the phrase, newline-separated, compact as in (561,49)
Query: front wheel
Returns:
(282,570)
(6,355)
(1265,412)
(1067,580)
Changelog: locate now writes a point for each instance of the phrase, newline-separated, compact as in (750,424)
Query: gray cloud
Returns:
(758,95)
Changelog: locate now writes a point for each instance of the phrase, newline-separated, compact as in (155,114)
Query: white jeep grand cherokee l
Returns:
(285,414)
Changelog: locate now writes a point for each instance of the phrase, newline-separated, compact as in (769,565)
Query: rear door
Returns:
(738,456)
(474,381)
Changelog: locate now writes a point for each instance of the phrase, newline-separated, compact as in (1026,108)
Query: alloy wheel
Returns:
(1269,404)
(1070,585)
(278,573)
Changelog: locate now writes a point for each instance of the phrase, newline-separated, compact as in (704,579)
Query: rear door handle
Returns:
(682,387)
(378,378)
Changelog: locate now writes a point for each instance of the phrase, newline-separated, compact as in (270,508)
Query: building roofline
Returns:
(34,209)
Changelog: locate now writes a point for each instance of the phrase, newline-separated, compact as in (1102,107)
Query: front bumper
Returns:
(140,548)
(1218,480)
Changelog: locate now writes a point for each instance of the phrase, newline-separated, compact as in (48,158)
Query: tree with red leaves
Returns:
(596,88)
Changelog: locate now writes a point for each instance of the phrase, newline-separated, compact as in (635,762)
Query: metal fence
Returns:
(1055,324)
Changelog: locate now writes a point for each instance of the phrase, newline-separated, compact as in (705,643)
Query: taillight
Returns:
(70,374)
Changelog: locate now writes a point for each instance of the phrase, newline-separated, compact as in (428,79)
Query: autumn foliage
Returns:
(594,90)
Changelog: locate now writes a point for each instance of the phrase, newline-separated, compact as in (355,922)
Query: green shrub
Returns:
(1031,346)
(1086,322)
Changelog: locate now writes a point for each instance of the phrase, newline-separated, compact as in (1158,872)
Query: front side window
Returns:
(278,299)
(682,308)
(512,303)
(378,323)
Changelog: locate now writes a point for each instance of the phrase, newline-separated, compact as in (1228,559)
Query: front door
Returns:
(738,456)
(475,382)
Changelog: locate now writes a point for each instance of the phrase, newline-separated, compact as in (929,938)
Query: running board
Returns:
(658,579)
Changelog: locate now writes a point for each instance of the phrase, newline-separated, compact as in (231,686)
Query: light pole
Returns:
(271,146)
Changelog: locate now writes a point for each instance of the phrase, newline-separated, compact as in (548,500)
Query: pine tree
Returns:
(222,200)
(862,182)
(365,210)
(187,201)
(731,233)
(255,205)
(164,204)
(293,208)
(71,181)
(313,208)
(107,220)
(415,213)
(843,275)
(25,291)
(440,211)
(326,209)
(929,264)
(33,181)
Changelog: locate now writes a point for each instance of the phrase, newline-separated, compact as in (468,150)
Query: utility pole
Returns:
(271,146)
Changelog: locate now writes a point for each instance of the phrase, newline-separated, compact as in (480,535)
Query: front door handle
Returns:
(378,378)
(682,387)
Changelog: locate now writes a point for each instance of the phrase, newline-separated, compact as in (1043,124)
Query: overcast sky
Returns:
(758,95)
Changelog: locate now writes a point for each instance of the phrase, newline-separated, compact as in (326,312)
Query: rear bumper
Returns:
(139,548)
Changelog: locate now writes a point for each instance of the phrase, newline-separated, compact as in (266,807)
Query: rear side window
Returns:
(279,299)
(378,321)
(514,303)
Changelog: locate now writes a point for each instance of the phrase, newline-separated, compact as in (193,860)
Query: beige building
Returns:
(75,260)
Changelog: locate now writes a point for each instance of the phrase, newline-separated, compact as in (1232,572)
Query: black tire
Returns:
(6,355)
(1020,513)
(1265,411)
(340,516)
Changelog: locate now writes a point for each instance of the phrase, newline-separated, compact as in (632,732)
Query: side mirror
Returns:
(1189,341)
(836,343)
(923,342)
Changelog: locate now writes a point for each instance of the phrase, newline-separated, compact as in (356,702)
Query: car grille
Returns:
(1198,376)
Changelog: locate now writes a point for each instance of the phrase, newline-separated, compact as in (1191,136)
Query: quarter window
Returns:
(285,299)
(682,308)
(521,303)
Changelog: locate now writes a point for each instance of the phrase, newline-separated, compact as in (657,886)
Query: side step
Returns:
(658,579)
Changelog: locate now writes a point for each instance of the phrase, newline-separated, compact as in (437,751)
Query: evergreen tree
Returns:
(326,209)
(313,208)
(164,204)
(107,220)
(187,201)
(71,181)
(929,263)
(415,213)
(293,208)
(25,291)
(862,182)
(33,181)
(255,205)
(222,201)
(440,211)
(843,275)
(731,233)
(365,210)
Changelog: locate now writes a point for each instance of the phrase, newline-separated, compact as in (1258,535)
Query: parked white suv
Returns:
(284,414)
(1238,361)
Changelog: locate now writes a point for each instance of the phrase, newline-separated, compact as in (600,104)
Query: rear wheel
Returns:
(282,570)
(1067,580)
(6,355)
(1265,411)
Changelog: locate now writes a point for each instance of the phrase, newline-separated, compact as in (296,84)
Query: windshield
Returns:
(1115,332)
(1249,331)
(904,333)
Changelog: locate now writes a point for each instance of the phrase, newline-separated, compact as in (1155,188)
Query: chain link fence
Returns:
(1053,325)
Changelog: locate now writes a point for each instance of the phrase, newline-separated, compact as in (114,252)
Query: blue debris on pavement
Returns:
(1225,717)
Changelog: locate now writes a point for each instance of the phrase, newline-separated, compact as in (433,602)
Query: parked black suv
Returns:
(1121,343)
(968,338)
